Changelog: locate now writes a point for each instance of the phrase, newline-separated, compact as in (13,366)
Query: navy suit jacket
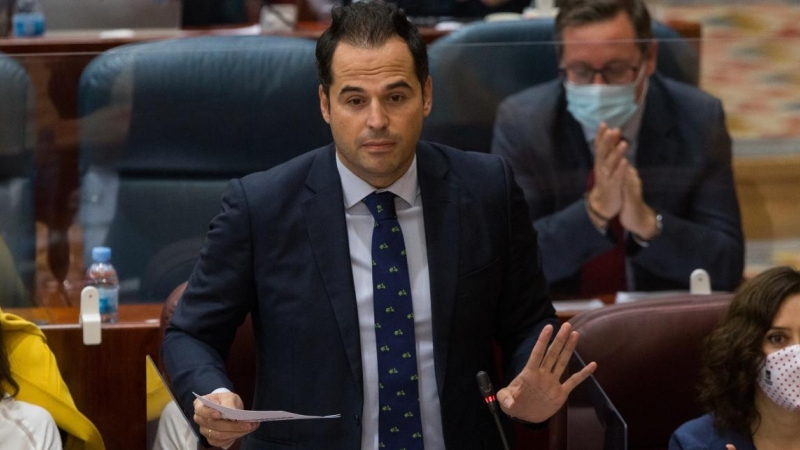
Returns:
(279,251)
(701,434)
(684,161)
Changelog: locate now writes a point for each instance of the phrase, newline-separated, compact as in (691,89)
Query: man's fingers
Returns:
(580,377)
(202,412)
(537,355)
(607,144)
(566,354)
(221,438)
(221,433)
(553,352)
(231,400)
(506,399)
(619,173)
(600,151)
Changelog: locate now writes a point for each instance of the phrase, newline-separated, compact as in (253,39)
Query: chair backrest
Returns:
(17,220)
(477,66)
(166,124)
(648,360)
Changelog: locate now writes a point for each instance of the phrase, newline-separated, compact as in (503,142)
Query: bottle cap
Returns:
(101,254)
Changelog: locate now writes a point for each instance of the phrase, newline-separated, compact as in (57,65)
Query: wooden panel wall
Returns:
(769,194)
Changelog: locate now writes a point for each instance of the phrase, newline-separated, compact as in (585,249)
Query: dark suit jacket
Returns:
(701,434)
(279,251)
(684,162)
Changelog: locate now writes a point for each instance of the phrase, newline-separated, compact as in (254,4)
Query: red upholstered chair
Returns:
(648,360)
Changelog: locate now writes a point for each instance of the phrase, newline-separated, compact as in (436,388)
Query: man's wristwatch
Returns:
(659,224)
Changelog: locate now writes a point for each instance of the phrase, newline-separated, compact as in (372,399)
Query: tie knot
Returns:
(381,205)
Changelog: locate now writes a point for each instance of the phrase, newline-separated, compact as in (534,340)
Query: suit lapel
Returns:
(659,146)
(573,152)
(440,200)
(658,143)
(327,231)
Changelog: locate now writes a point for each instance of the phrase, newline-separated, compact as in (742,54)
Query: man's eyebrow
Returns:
(398,84)
(606,64)
(349,88)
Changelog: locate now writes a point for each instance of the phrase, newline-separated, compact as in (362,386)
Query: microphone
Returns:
(487,390)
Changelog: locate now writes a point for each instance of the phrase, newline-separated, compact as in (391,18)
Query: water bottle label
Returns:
(108,300)
(28,24)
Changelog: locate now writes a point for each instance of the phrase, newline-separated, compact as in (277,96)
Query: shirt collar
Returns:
(355,189)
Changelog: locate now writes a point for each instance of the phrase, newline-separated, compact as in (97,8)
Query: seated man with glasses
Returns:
(627,173)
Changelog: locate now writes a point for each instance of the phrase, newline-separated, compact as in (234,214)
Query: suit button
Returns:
(358,419)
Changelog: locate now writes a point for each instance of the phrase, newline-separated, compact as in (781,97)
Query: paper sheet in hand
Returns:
(241,415)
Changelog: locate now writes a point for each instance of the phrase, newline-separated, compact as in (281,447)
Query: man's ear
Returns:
(427,96)
(324,105)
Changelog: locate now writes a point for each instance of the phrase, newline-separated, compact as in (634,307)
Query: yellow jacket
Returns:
(34,368)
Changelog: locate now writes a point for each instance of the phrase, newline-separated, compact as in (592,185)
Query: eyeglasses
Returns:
(612,73)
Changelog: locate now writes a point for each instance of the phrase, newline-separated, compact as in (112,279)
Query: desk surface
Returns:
(94,41)
(142,315)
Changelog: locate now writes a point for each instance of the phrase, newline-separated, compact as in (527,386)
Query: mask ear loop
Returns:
(645,85)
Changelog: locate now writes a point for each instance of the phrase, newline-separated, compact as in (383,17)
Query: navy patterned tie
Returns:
(399,424)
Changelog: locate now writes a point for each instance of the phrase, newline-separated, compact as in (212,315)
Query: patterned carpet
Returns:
(750,59)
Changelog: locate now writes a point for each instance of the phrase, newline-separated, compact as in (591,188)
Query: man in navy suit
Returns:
(627,173)
(292,248)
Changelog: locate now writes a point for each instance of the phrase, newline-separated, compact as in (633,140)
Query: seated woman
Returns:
(37,381)
(750,380)
(23,426)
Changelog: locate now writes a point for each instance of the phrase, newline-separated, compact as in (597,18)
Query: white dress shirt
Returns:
(25,426)
(359,233)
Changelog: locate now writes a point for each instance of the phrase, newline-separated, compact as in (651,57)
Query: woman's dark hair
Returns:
(369,25)
(733,352)
(573,13)
(6,380)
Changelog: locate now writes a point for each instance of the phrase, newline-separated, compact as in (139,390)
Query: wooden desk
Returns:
(107,381)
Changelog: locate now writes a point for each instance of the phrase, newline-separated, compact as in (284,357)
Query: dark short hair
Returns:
(733,352)
(573,13)
(6,380)
(369,25)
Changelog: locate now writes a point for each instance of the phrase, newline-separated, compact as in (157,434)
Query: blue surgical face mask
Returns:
(591,104)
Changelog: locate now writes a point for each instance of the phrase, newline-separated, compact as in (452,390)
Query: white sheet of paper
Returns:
(632,296)
(577,305)
(241,415)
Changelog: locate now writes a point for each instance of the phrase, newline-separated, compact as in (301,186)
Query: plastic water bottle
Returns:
(101,274)
(28,19)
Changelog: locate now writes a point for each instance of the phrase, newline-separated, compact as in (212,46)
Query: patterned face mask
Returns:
(779,377)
